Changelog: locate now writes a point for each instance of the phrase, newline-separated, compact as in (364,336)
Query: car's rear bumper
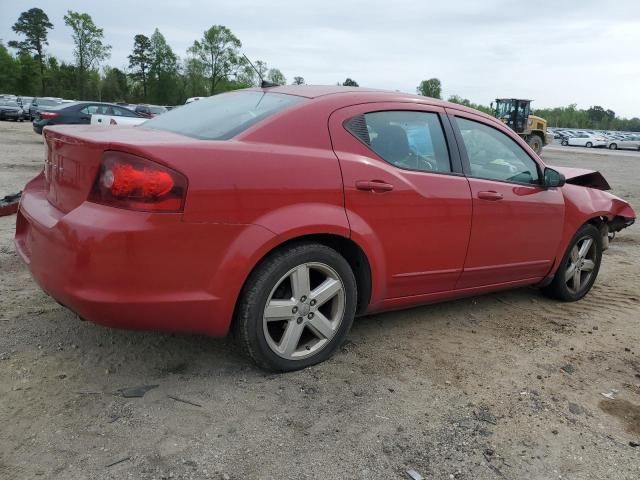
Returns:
(133,270)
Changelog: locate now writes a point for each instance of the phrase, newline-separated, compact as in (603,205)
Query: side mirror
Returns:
(553,178)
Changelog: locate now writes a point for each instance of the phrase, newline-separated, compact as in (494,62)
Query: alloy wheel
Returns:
(304,311)
(580,264)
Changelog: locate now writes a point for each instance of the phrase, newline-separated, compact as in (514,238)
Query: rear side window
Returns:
(222,116)
(123,112)
(407,139)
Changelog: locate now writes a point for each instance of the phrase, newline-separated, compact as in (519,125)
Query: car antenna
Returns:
(263,83)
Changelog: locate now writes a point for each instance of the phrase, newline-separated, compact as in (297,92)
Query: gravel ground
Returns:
(503,386)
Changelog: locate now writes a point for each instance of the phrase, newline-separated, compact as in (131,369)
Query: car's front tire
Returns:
(579,266)
(613,146)
(565,143)
(296,307)
(588,145)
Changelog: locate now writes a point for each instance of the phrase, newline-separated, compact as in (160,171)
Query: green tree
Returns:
(246,77)
(298,81)
(164,82)
(9,71)
(276,76)
(89,48)
(61,79)
(430,88)
(27,82)
(34,24)
(114,86)
(194,78)
(140,61)
(350,83)
(262,68)
(219,50)
(468,103)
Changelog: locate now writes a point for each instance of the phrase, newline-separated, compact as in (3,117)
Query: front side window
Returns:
(495,156)
(90,109)
(407,139)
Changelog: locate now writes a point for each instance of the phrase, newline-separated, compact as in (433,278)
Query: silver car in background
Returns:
(628,143)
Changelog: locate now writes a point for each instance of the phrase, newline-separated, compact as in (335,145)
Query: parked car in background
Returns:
(42,102)
(116,115)
(25,103)
(563,134)
(628,143)
(11,110)
(150,111)
(585,140)
(76,113)
(282,213)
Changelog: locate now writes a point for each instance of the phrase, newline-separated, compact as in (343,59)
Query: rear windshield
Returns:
(153,109)
(46,102)
(222,116)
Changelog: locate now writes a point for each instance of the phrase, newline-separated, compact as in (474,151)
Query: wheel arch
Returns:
(352,252)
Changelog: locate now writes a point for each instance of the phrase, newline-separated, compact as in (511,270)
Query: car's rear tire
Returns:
(565,143)
(613,146)
(579,266)
(296,307)
(588,144)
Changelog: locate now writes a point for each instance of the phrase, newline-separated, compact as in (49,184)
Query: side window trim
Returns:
(448,134)
(466,165)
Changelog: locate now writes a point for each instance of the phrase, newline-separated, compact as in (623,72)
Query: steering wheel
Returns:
(418,162)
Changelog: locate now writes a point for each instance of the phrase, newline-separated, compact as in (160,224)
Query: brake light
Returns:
(48,115)
(135,183)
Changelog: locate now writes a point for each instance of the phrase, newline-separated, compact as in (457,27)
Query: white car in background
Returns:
(631,142)
(585,140)
(114,115)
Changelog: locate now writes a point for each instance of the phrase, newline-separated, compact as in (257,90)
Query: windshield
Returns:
(9,103)
(222,116)
(504,108)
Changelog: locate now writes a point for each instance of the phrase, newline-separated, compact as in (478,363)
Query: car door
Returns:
(126,117)
(404,193)
(517,223)
(83,116)
(578,140)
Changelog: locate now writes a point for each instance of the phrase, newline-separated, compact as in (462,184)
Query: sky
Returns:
(554,52)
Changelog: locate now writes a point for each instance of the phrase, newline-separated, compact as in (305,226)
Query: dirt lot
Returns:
(505,386)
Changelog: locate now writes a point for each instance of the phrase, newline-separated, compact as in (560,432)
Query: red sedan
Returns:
(283,213)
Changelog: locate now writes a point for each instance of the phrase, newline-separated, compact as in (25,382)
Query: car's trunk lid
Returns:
(73,155)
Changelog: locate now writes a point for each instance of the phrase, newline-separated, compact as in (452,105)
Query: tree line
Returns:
(155,74)
(595,117)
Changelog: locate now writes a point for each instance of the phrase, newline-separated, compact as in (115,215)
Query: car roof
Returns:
(352,95)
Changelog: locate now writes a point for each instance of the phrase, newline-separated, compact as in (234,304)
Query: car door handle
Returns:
(490,195)
(373,186)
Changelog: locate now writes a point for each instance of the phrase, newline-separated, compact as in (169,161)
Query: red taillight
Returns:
(135,183)
(48,115)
